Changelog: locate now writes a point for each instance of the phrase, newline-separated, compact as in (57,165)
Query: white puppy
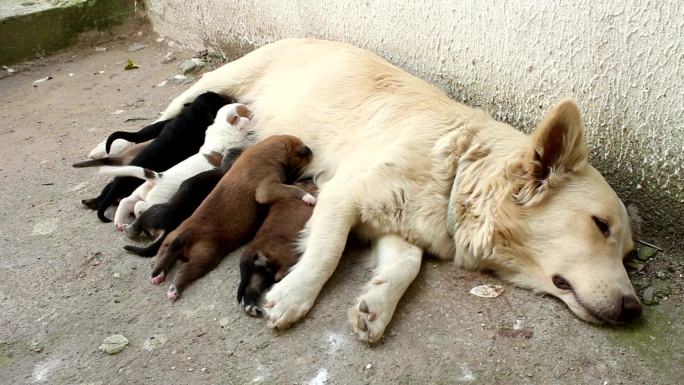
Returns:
(228,130)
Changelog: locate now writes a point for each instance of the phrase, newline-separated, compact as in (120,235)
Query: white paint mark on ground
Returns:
(321,377)
(517,325)
(43,369)
(335,342)
(46,227)
(466,374)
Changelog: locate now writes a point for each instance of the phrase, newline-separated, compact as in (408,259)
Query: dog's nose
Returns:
(631,309)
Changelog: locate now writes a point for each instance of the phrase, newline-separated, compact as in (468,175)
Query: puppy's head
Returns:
(292,153)
(565,227)
(235,115)
(206,105)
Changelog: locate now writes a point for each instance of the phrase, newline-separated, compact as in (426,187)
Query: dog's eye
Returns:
(602,226)
(560,282)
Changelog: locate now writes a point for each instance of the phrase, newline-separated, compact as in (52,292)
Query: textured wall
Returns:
(622,61)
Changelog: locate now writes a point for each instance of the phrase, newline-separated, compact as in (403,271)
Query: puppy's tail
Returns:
(134,171)
(149,250)
(106,161)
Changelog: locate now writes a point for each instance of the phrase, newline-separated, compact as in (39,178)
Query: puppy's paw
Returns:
(172,294)
(309,199)
(158,279)
(368,319)
(253,311)
(288,301)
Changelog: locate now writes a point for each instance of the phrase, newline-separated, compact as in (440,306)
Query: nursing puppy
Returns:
(267,258)
(400,163)
(161,219)
(228,130)
(230,214)
(180,138)
(116,145)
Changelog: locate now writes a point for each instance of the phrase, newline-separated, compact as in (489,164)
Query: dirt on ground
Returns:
(66,284)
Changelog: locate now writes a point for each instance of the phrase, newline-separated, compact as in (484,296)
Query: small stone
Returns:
(191,370)
(204,369)
(368,366)
(116,275)
(114,344)
(649,296)
(36,347)
(136,47)
(100,49)
(487,291)
(190,66)
(224,322)
(178,79)
(173,368)
(154,342)
(646,253)
(168,58)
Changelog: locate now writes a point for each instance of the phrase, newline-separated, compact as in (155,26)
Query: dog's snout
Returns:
(631,309)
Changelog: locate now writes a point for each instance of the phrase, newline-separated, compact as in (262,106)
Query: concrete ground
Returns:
(66,283)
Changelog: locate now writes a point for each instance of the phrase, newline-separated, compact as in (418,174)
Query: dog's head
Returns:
(565,227)
(235,115)
(291,152)
(206,105)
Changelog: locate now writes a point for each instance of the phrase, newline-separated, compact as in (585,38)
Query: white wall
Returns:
(622,60)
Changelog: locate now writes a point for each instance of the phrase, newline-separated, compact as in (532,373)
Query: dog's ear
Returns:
(233,119)
(558,141)
(243,111)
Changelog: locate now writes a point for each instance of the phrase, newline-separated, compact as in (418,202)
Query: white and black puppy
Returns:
(228,130)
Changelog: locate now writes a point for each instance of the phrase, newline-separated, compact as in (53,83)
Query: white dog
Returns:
(401,163)
(228,130)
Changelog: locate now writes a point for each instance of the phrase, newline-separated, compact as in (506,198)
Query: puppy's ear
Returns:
(243,111)
(233,119)
(558,141)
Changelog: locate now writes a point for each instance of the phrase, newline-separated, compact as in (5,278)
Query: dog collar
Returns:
(450,216)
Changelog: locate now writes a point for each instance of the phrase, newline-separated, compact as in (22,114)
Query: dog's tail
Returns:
(106,161)
(149,250)
(134,171)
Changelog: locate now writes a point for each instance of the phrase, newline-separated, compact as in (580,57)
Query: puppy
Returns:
(122,159)
(272,252)
(163,218)
(178,139)
(227,131)
(230,214)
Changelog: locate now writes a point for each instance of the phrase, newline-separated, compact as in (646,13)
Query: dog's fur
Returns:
(229,216)
(163,218)
(115,145)
(228,130)
(267,258)
(390,149)
(179,138)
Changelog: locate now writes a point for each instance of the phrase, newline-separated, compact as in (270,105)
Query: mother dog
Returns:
(403,165)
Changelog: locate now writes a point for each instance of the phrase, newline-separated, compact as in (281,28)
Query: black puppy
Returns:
(163,218)
(180,138)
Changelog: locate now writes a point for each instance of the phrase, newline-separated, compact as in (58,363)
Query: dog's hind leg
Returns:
(126,206)
(398,263)
(204,257)
(149,132)
(335,213)
(94,203)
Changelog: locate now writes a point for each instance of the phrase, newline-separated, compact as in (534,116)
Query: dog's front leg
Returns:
(335,213)
(398,263)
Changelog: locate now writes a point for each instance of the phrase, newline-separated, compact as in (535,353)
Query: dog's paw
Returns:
(158,279)
(309,199)
(368,319)
(172,294)
(288,301)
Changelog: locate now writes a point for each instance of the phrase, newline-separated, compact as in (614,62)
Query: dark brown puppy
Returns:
(229,216)
(273,250)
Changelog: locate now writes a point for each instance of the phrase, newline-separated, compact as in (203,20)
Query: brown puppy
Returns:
(273,250)
(229,216)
